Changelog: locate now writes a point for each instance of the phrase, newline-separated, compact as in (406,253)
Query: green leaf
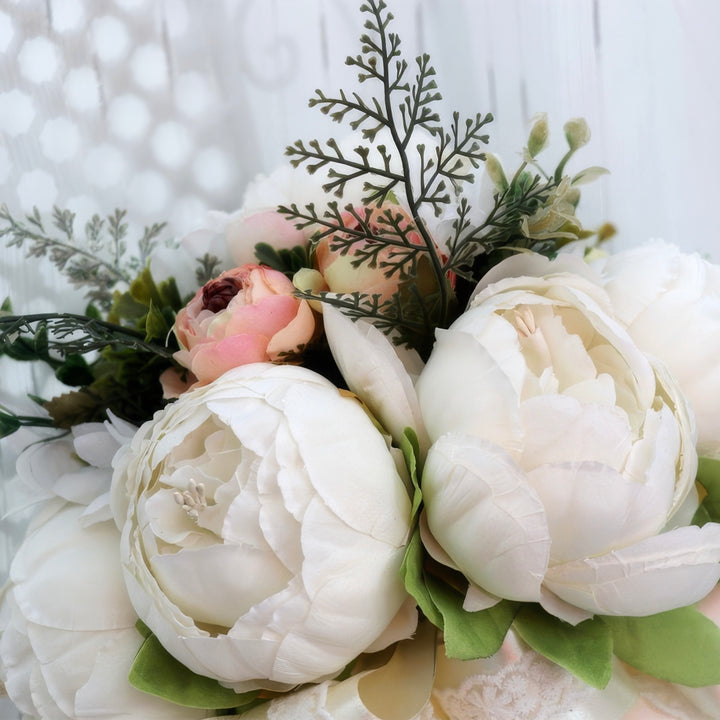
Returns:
(410,446)
(156,326)
(680,646)
(169,294)
(411,572)
(6,306)
(284,260)
(126,307)
(585,649)
(144,290)
(74,371)
(8,424)
(158,673)
(92,312)
(708,475)
(470,635)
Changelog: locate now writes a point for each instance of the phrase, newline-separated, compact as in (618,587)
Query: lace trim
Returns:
(532,688)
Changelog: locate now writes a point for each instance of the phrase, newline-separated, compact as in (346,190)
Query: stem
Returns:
(407,182)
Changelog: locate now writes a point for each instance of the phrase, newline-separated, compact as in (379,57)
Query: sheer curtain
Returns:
(169,107)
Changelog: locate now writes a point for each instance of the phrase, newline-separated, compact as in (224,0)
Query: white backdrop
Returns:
(168,108)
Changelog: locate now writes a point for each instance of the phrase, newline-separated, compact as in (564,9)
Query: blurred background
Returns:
(168,108)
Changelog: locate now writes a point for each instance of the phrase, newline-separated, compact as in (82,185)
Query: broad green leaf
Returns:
(681,646)
(470,635)
(585,649)
(158,673)
(413,576)
(708,475)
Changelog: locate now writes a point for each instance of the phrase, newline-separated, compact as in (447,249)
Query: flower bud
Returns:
(577,133)
(495,172)
(539,135)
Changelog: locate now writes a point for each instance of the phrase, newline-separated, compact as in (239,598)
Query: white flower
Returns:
(68,628)
(670,303)
(76,468)
(263,528)
(561,454)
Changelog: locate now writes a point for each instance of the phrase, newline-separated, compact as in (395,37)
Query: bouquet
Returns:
(407,444)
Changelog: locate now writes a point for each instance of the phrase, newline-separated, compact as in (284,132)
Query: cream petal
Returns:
(592,508)
(559,608)
(374,371)
(477,599)
(55,590)
(463,390)
(559,428)
(239,577)
(661,573)
(482,511)
(94,444)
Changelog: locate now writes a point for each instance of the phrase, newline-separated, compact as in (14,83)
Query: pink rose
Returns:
(246,315)
(343,275)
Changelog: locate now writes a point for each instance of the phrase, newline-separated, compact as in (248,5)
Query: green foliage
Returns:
(585,649)
(158,673)
(99,264)
(680,646)
(401,129)
(284,260)
(708,475)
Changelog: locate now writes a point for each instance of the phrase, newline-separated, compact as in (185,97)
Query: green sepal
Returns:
(74,371)
(708,475)
(680,646)
(156,672)
(470,635)
(584,650)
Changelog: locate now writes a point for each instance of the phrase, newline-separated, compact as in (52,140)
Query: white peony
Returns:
(561,455)
(263,523)
(670,303)
(68,628)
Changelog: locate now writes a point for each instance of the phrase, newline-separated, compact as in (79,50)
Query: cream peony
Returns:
(670,303)
(263,525)
(68,628)
(561,455)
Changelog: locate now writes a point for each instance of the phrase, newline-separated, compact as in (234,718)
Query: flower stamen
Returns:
(192,500)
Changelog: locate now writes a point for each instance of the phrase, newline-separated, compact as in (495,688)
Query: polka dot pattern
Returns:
(126,104)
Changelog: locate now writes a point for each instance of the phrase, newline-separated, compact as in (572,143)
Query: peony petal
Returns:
(475,398)
(559,428)
(661,573)
(592,508)
(53,589)
(373,370)
(481,509)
